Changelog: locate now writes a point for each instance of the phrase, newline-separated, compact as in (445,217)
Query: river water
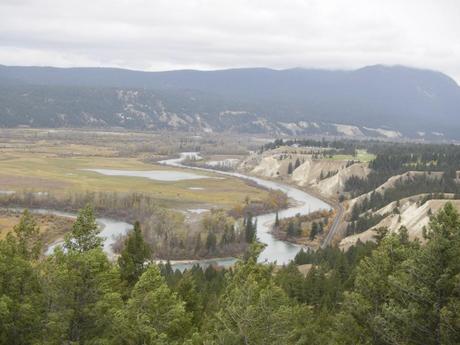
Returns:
(275,250)
(110,229)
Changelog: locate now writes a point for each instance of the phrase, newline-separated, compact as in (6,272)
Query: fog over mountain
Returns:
(376,100)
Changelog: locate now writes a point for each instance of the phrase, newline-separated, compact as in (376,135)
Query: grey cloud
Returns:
(209,34)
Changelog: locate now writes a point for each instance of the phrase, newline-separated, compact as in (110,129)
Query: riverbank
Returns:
(275,251)
(331,235)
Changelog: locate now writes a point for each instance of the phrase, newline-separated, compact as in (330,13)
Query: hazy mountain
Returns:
(375,100)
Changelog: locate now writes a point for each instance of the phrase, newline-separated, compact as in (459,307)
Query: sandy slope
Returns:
(275,163)
(412,215)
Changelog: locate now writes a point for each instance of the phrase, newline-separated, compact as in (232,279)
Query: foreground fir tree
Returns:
(394,292)
(153,315)
(85,232)
(134,257)
(21,294)
(425,291)
(82,291)
(256,311)
(27,235)
(407,293)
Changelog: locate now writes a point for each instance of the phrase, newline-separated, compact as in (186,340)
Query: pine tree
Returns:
(291,229)
(361,317)
(297,163)
(188,292)
(134,257)
(250,229)
(28,236)
(211,241)
(254,310)
(22,302)
(85,231)
(424,299)
(313,231)
(81,294)
(153,315)
(197,243)
(289,171)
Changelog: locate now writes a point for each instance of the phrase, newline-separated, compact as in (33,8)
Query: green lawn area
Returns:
(362,156)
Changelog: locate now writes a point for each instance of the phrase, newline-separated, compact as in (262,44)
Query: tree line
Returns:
(393,291)
(166,231)
(398,158)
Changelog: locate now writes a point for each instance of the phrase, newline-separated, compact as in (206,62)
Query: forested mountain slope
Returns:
(375,101)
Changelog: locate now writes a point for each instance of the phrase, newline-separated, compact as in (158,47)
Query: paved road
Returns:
(335,226)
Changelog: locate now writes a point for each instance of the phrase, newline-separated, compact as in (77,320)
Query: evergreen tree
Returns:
(81,294)
(291,229)
(197,243)
(256,311)
(22,301)
(187,290)
(313,231)
(297,163)
(153,314)
(424,298)
(290,170)
(134,257)
(27,235)
(85,231)
(359,322)
(211,241)
(250,229)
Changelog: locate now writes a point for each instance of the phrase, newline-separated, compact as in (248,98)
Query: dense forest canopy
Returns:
(395,291)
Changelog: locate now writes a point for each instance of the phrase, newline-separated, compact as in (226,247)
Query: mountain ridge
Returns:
(413,102)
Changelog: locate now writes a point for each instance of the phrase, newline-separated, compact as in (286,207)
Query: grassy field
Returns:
(6,225)
(362,156)
(52,167)
(51,227)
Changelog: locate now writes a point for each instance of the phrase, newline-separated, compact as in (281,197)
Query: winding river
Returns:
(110,229)
(275,250)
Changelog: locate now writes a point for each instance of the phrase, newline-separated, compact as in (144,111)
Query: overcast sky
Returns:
(214,34)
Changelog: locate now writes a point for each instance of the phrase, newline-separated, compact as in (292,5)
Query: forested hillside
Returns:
(392,292)
(375,101)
